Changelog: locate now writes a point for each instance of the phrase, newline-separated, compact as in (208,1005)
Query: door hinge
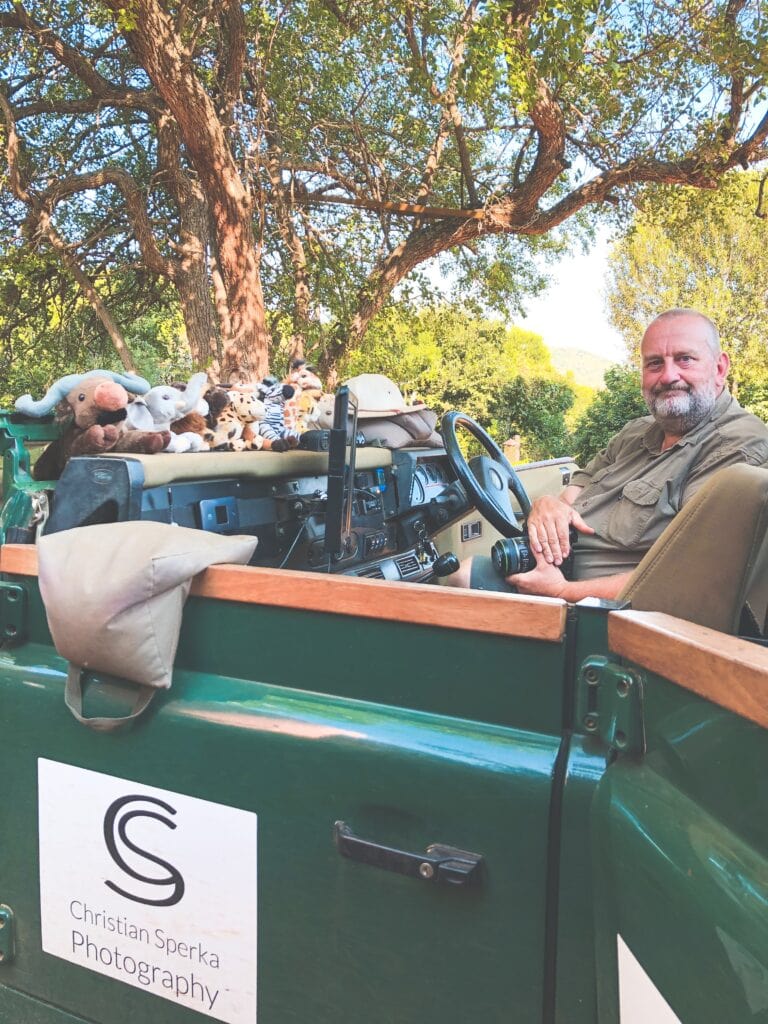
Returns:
(13,614)
(609,705)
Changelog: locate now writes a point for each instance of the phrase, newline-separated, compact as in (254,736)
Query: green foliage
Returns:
(700,250)
(753,394)
(502,377)
(535,409)
(47,329)
(448,358)
(611,408)
(583,396)
(159,347)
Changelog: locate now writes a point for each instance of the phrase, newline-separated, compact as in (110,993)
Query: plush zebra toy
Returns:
(272,428)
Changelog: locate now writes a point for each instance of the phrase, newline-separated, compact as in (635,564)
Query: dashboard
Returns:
(399,501)
(395,510)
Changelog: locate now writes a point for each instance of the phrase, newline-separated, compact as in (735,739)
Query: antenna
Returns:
(341,476)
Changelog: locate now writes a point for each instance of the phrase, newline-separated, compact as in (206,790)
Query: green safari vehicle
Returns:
(371,799)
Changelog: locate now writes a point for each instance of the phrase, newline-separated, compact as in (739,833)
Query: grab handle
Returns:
(442,864)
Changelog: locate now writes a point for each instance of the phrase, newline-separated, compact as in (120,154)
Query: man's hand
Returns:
(545,580)
(548,524)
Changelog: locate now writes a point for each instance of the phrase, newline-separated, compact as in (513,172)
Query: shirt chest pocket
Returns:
(636,512)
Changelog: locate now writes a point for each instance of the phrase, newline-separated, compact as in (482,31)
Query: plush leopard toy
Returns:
(240,421)
(232,415)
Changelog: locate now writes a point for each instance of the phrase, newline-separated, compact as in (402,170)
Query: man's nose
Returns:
(670,373)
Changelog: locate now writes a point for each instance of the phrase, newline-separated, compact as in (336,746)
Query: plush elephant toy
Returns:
(91,407)
(163,405)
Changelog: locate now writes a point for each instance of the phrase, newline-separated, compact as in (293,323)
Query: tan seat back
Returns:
(713,558)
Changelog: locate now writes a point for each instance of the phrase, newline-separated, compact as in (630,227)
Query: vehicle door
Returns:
(678,822)
(268,842)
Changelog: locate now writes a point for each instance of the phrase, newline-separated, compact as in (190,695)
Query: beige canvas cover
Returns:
(114,595)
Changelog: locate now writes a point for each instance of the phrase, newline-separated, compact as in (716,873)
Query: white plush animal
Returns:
(163,405)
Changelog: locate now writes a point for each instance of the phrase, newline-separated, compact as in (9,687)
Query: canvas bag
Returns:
(114,595)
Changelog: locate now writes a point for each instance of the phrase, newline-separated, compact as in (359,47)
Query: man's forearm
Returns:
(570,493)
(607,587)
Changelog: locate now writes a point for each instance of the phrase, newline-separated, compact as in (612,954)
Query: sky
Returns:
(571,314)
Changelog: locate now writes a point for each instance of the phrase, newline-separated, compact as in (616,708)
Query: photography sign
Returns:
(152,888)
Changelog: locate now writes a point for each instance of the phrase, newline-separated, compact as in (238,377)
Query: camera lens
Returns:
(512,556)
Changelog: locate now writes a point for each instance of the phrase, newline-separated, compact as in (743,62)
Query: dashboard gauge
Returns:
(418,494)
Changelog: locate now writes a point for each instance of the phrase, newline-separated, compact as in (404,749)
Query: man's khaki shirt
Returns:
(633,489)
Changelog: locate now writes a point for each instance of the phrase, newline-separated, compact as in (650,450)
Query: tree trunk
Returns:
(158,48)
(191,275)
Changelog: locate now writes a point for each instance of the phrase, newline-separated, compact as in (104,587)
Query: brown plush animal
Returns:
(308,390)
(92,413)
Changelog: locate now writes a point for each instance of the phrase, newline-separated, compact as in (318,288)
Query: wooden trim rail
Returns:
(534,618)
(730,672)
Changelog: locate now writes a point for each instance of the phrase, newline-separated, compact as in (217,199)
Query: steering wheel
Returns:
(487,479)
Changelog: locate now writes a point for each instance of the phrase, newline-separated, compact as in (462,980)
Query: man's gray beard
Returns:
(678,411)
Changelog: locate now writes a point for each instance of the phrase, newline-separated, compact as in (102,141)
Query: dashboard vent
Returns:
(374,572)
(408,565)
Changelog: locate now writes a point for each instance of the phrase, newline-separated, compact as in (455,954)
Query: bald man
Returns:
(622,501)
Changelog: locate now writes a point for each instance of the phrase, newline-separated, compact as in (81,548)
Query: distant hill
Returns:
(586,367)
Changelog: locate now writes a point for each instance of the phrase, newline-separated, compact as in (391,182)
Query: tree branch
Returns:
(40,218)
(545,112)
(446,97)
(232,60)
(77,63)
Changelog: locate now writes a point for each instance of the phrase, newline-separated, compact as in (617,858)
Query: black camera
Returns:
(513,555)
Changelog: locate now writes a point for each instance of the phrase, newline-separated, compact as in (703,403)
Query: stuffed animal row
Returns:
(101,411)
(250,418)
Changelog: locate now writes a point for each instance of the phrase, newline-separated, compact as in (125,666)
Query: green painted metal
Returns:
(17,1008)
(585,761)
(432,736)
(416,736)
(20,439)
(13,613)
(681,861)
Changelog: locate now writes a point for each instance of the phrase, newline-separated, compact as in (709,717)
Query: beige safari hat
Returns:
(378,396)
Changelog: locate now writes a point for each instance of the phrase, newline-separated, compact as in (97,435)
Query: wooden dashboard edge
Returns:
(726,670)
(535,618)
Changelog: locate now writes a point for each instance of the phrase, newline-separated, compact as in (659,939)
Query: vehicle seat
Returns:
(710,564)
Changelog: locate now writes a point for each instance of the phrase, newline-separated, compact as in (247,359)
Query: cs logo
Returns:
(115,824)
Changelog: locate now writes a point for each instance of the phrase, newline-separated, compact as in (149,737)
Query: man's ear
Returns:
(722,366)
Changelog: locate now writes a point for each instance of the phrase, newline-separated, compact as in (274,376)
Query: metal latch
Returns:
(7,935)
(438,863)
(610,705)
(13,614)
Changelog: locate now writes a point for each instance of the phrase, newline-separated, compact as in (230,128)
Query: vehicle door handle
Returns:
(439,863)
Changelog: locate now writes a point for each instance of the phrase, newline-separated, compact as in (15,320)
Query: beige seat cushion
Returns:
(712,557)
